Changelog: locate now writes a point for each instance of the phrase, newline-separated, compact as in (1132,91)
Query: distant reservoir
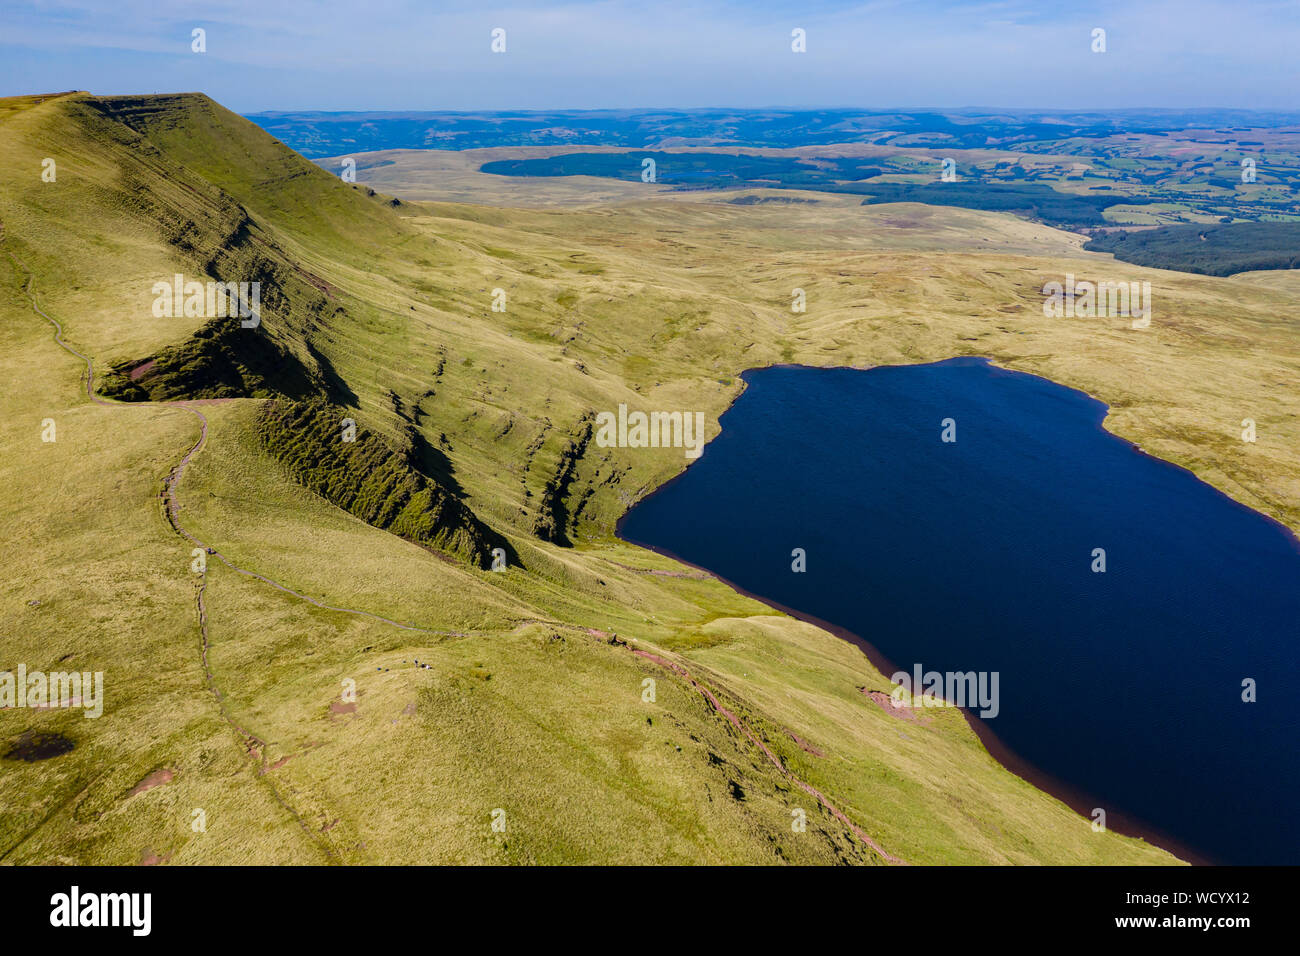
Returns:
(1118,688)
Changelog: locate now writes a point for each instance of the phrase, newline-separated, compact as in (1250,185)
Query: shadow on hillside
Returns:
(433,462)
(337,390)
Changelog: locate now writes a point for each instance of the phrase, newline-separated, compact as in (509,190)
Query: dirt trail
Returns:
(776,761)
(173,479)
(256,747)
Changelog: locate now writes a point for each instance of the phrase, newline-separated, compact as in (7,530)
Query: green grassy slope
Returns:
(532,700)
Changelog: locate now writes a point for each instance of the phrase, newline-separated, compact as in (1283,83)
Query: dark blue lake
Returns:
(977,555)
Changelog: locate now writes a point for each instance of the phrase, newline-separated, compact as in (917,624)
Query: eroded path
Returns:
(757,741)
(254,746)
(171,482)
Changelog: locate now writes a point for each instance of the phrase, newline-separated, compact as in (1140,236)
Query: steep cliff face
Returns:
(554,520)
(357,298)
(226,198)
(221,360)
(356,470)
(217,239)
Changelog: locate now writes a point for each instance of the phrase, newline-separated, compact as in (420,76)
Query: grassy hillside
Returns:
(363,476)
(227,689)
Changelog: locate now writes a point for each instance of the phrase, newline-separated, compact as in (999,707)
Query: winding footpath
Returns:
(171,482)
(255,746)
(753,737)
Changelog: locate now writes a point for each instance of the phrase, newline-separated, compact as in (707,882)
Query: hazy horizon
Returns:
(297,56)
(976,111)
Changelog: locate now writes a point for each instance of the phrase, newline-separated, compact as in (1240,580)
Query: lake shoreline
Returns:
(1074,797)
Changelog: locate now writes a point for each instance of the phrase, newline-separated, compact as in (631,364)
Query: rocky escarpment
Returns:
(221,360)
(553,518)
(371,480)
(190,173)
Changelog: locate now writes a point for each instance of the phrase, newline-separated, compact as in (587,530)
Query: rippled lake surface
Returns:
(977,555)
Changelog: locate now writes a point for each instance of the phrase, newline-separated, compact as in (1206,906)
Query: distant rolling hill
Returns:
(1077,171)
(316,134)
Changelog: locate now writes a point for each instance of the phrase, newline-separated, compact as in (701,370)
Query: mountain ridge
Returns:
(526,697)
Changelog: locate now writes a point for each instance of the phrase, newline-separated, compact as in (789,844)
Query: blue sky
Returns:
(406,54)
